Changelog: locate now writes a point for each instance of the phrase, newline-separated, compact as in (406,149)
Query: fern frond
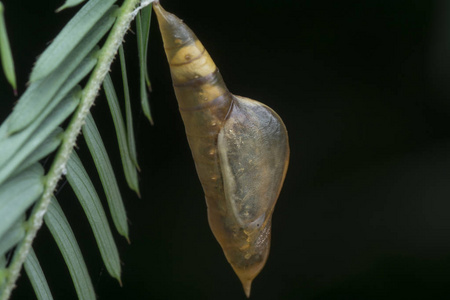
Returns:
(107,177)
(128,165)
(15,234)
(58,225)
(37,277)
(51,97)
(15,149)
(41,91)
(18,194)
(79,28)
(128,112)
(89,200)
(47,146)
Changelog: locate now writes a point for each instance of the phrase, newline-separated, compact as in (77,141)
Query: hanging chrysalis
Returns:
(240,149)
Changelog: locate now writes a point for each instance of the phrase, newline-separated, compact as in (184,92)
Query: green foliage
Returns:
(78,29)
(106,173)
(5,51)
(128,166)
(128,112)
(15,149)
(35,129)
(142,29)
(41,91)
(59,226)
(69,3)
(17,194)
(37,277)
(85,191)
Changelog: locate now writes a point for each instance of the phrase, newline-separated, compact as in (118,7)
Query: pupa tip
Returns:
(247,285)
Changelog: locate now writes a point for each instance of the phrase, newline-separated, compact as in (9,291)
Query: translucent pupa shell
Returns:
(240,149)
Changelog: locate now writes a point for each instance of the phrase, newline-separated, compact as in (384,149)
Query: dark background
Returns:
(363,88)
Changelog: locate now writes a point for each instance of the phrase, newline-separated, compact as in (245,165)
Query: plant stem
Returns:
(125,16)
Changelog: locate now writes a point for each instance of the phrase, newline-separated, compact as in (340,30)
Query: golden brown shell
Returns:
(240,149)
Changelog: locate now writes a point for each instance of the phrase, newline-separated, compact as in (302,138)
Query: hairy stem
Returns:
(125,15)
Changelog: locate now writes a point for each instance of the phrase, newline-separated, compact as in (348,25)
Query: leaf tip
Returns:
(138,193)
(15,125)
(149,85)
(149,117)
(62,7)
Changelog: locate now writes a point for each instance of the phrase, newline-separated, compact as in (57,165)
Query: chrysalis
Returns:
(240,149)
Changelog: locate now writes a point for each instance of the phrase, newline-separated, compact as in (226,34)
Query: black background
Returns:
(362,87)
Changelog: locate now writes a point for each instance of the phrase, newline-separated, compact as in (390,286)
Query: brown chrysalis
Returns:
(240,149)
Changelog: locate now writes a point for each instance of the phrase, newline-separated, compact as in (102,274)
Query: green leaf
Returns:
(5,52)
(3,272)
(10,145)
(69,3)
(71,35)
(128,111)
(13,235)
(40,92)
(83,69)
(37,277)
(106,173)
(142,69)
(48,145)
(146,18)
(17,194)
(74,78)
(128,166)
(89,200)
(60,229)
(77,75)
(14,150)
